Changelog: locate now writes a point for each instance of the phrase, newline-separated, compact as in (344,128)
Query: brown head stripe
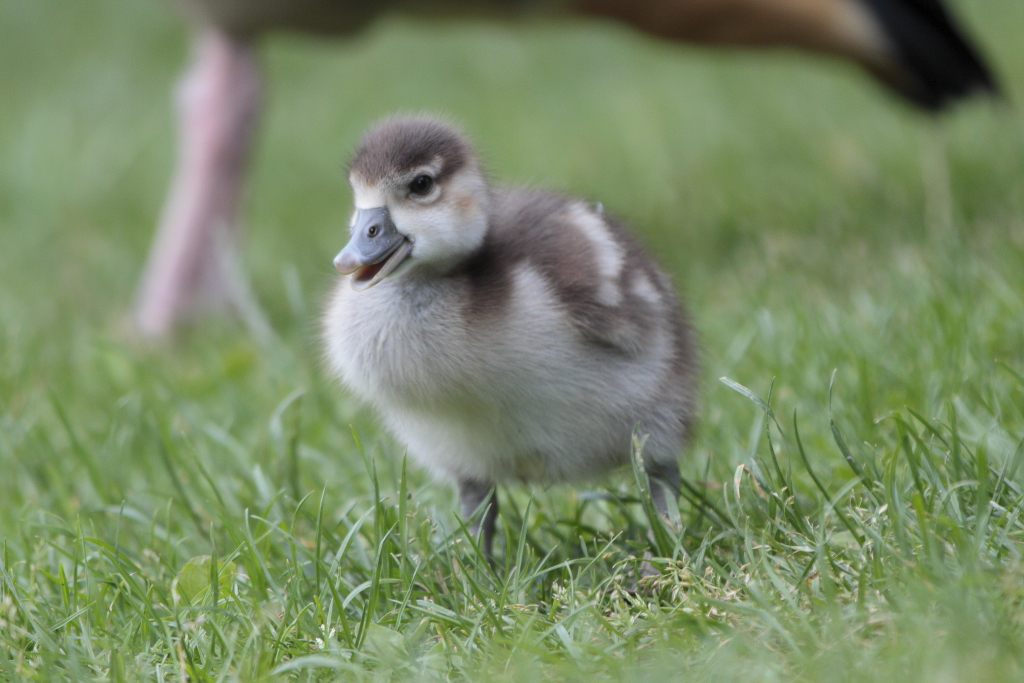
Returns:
(398,145)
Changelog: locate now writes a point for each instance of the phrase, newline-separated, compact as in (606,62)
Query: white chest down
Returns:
(515,395)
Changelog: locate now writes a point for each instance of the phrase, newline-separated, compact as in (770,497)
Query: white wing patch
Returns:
(607,251)
(643,289)
(537,311)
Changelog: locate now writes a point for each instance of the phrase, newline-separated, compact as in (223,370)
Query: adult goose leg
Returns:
(190,264)
(472,495)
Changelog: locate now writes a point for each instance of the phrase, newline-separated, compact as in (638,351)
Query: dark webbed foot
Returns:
(473,495)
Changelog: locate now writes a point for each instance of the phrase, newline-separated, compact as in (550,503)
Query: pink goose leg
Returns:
(190,264)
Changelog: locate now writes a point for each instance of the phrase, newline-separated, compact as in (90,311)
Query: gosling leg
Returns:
(663,478)
(472,495)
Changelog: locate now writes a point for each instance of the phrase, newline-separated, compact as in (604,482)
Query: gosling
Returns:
(503,334)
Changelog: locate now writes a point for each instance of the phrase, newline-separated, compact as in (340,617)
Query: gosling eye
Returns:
(421,186)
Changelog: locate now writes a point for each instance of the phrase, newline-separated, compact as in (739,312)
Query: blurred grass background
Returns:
(805,215)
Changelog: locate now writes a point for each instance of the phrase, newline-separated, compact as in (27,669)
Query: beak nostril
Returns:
(373,230)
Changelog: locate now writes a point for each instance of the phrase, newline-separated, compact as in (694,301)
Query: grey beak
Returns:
(374,237)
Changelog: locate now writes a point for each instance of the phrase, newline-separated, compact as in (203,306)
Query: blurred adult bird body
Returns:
(912,46)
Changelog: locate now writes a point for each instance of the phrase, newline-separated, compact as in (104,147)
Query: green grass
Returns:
(867,527)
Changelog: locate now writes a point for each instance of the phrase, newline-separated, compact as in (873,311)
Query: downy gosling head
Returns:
(419,174)
(503,334)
